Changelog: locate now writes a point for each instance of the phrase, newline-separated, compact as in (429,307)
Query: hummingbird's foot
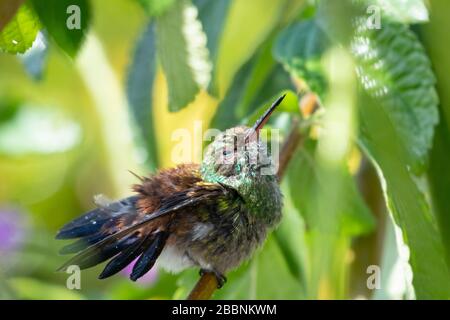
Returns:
(221,279)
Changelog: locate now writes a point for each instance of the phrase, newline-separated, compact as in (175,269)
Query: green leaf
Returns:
(398,112)
(431,278)
(141,75)
(226,114)
(255,84)
(67,22)
(20,32)
(299,48)
(394,69)
(290,237)
(183,54)
(289,104)
(267,275)
(439,179)
(156,8)
(260,73)
(249,24)
(307,181)
(404,11)
(438,174)
(212,14)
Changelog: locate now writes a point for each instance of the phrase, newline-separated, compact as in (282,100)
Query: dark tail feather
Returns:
(100,234)
(101,251)
(124,258)
(81,244)
(129,242)
(148,258)
(118,231)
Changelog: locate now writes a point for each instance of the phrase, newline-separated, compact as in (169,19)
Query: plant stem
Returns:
(7,11)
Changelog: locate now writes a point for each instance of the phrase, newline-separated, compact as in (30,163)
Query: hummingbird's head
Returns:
(239,159)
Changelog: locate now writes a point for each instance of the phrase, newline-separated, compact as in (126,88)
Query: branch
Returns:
(291,143)
(207,283)
(8,9)
(204,288)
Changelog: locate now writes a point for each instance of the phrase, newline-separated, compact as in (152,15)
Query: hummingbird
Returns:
(212,216)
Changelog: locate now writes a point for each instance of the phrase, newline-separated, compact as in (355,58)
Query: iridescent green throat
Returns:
(260,192)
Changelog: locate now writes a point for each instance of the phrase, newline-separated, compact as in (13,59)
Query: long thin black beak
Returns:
(259,124)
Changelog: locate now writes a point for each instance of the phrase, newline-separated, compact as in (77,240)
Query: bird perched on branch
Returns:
(212,216)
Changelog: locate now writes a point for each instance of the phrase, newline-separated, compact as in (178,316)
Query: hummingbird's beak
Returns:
(259,124)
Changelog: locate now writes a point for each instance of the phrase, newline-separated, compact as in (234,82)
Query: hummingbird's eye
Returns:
(227,152)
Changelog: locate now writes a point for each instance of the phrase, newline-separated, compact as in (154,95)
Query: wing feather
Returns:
(124,230)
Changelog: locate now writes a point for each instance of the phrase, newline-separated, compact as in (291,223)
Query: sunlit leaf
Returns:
(431,278)
(299,48)
(183,54)
(212,14)
(394,69)
(395,283)
(188,120)
(156,7)
(20,32)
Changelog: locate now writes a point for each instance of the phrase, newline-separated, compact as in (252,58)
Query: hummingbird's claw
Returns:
(221,279)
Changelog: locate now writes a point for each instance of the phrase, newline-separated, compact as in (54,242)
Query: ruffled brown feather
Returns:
(139,226)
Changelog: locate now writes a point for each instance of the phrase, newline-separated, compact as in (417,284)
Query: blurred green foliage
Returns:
(80,107)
